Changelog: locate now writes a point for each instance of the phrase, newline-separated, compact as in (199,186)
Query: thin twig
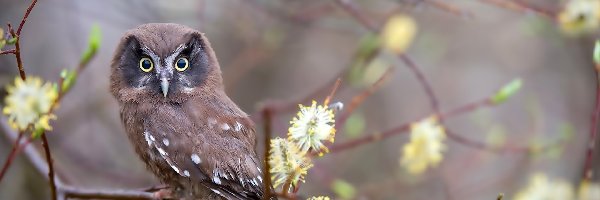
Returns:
(73,192)
(356,14)
(51,177)
(445,6)
(267,115)
(422,80)
(587,169)
(11,156)
(379,136)
(18,52)
(365,22)
(25,17)
(520,7)
(332,93)
(360,98)
(11,51)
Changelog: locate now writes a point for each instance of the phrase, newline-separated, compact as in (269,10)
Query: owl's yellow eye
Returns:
(182,64)
(146,64)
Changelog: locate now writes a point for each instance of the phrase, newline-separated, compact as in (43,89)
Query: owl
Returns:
(188,132)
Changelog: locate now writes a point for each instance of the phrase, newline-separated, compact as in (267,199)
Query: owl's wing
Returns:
(211,148)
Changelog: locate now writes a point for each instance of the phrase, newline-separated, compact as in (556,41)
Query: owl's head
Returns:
(164,62)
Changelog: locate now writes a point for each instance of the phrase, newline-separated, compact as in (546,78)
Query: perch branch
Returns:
(38,162)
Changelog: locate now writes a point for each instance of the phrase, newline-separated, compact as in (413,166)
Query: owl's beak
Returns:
(164,86)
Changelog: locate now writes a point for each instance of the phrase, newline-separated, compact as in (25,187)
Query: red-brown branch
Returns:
(422,80)
(356,14)
(51,177)
(445,6)
(267,115)
(25,17)
(11,155)
(587,168)
(17,52)
(522,7)
(11,51)
(360,98)
(404,127)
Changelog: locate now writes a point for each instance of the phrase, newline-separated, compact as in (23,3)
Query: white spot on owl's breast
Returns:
(238,126)
(216,191)
(186,173)
(225,126)
(196,159)
(152,144)
(216,180)
(162,151)
(147,137)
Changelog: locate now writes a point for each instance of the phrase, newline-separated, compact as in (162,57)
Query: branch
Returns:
(422,80)
(50,166)
(11,155)
(73,192)
(360,98)
(12,51)
(365,22)
(443,5)
(25,17)
(522,7)
(267,115)
(62,190)
(404,127)
(356,14)
(17,52)
(587,169)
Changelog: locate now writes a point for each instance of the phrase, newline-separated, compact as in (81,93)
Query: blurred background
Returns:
(285,50)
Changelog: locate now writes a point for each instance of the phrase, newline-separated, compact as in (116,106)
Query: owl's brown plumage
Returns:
(167,81)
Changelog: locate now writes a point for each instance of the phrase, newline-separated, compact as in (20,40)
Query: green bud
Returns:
(69,77)
(12,41)
(507,91)
(355,125)
(597,52)
(343,189)
(93,44)
(37,133)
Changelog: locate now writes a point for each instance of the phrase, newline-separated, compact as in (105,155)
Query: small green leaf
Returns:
(12,41)
(37,133)
(507,91)
(2,43)
(343,189)
(69,78)
(93,44)
(368,48)
(597,52)
(355,125)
